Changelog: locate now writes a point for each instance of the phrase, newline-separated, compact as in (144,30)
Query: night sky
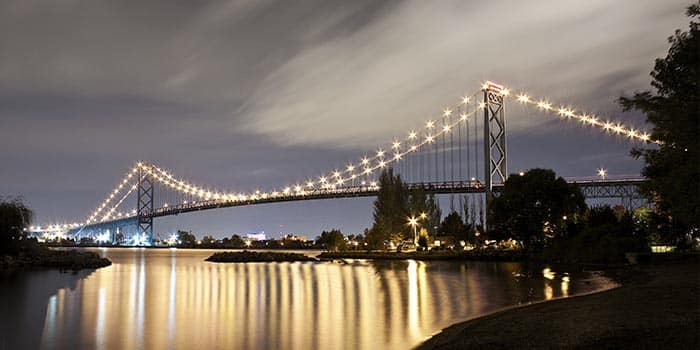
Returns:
(245,94)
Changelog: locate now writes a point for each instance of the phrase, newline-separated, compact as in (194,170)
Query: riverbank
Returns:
(476,254)
(657,306)
(250,256)
(42,257)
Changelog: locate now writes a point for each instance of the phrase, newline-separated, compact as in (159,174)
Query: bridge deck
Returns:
(591,188)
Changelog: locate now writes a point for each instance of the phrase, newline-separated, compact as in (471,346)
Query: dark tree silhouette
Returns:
(391,209)
(673,168)
(15,217)
(536,205)
(332,240)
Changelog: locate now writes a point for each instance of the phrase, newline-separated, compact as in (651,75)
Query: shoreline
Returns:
(44,258)
(446,255)
(633,314)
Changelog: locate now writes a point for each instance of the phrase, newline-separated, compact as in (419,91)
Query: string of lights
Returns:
(112,194)
(586,119)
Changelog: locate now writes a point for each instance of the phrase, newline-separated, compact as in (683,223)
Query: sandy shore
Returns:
(657,307)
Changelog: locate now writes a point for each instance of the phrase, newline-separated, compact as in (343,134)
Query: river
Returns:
(173,299)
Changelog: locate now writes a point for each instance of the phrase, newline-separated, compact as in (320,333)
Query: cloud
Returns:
(405,65)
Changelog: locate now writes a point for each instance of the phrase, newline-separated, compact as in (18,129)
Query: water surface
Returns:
(173,299)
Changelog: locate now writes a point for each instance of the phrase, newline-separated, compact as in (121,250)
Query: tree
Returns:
(534,206)
(390,209)
(606,236)
(237,241)
(423,239)
(208,241)
(333,240)
(434,214)
(453,226)
(15,217)
(186,239)
(673,167)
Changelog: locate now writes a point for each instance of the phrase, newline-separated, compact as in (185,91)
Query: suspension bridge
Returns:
(464,151)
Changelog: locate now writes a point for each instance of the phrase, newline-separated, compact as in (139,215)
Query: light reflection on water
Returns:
(157,299)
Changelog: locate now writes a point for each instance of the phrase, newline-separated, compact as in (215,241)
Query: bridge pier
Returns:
(495,155)
(144,208)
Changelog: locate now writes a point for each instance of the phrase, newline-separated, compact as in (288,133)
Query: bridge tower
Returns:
(495,155)
(144,206)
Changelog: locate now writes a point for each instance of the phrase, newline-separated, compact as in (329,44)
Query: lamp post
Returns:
(413,221)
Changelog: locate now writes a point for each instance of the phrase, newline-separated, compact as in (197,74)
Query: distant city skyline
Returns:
(215,93)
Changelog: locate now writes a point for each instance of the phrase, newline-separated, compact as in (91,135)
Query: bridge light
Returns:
(447,112)
(397,156)
(380,153)
(414,147)
(322,179)
(367,171)
(505,92)
(429,139)
(523,98)
(430,124)
(382,164)
(602,173)
(350,167)
(365,161)
(482,105)
(463,116)
(396,144)
(412,135)
(336,173)
(446,128)
(309,184)
(466,99)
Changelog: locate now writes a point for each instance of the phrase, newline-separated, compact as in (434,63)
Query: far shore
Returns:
(476,254)
(657,306)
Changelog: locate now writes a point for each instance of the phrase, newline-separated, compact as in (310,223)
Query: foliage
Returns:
(208,242)
(186,239)
(423,240)
(453,225)
(673,168)
(237,242)
(535,205)
(434,214)
(605,238)
(15,217)
(390,209)
(419,203)
(332,240)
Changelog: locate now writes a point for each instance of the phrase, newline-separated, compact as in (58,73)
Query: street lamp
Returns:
(413,221)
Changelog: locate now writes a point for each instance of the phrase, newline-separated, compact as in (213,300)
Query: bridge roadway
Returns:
(591,188)
(625,188)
